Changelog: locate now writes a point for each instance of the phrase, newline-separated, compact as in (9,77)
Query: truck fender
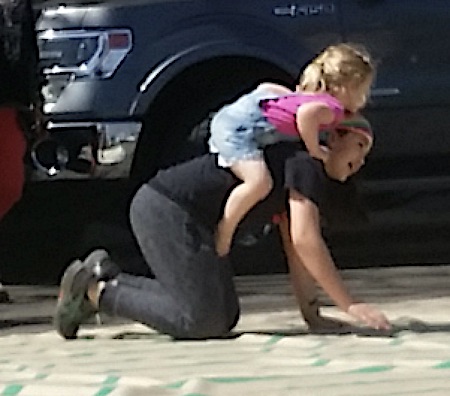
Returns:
(159,76)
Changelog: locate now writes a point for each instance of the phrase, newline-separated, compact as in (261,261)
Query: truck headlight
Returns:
(83,53)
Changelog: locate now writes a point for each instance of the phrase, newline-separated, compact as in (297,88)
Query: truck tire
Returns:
(175,124)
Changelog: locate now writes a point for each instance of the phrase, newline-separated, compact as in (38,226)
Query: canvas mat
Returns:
(270,352)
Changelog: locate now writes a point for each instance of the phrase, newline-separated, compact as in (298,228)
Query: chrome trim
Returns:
(379,92)
(110,133)
(70,125)
(164,65)
(295,10)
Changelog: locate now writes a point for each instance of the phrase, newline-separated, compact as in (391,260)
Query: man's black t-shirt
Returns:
(202,187)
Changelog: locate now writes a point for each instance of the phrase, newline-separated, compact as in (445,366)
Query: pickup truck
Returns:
(131,85)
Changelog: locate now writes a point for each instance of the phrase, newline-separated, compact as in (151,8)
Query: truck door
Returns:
(410,103)
(308,26)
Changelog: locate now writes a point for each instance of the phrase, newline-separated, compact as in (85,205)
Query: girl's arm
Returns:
(309,118)
(311,249)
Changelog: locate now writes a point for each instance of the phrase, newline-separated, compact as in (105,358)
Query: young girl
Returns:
(336,82)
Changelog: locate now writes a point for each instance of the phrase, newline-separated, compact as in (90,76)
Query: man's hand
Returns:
(318,323)
(322,324)
(369,315)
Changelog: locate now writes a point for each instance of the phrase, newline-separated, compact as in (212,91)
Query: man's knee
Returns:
(202,326)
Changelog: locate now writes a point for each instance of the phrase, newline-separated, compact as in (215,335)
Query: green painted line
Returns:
(194,394)
(274,339)
(82,354)
(106,390)
(225,380)
(396,341)
(12,390)
(111,380)
(443,365)
(267,346)
(175,385)
(231,380)
(320,362)
(372,369)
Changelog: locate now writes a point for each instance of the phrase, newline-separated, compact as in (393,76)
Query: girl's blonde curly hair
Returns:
(337,65)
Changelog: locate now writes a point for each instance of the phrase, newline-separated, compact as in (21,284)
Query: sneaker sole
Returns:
(71,289)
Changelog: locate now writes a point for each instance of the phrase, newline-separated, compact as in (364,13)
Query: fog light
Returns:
(49,156)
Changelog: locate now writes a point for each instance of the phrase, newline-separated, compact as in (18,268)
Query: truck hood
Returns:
(61,17)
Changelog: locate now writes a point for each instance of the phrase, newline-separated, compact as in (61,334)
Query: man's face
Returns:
(347,155)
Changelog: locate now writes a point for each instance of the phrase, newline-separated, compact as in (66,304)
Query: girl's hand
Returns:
(321,154)
(369,315)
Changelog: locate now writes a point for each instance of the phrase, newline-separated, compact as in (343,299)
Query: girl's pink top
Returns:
(281,112)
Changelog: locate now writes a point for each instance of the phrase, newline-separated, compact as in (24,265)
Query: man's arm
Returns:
(304,285)
(311,249)
(309,246)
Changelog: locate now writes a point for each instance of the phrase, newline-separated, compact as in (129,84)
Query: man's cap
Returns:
(357,124)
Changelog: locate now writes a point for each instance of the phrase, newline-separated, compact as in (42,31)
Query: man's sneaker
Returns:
(101,266)
(73,307)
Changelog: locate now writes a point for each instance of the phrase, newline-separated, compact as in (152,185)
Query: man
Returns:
(18,98)
(173,217)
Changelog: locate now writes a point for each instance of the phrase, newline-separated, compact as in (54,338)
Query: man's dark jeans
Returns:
(193,294)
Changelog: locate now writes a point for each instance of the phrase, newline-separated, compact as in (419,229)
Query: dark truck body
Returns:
(142,77)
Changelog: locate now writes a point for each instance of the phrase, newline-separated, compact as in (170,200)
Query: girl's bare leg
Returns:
(256,185)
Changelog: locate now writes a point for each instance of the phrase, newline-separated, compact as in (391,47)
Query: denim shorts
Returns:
(239,130)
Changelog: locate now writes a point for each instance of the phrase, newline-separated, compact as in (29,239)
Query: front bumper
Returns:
(84,148)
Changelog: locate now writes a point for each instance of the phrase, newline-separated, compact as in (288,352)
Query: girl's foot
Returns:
(223,241)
